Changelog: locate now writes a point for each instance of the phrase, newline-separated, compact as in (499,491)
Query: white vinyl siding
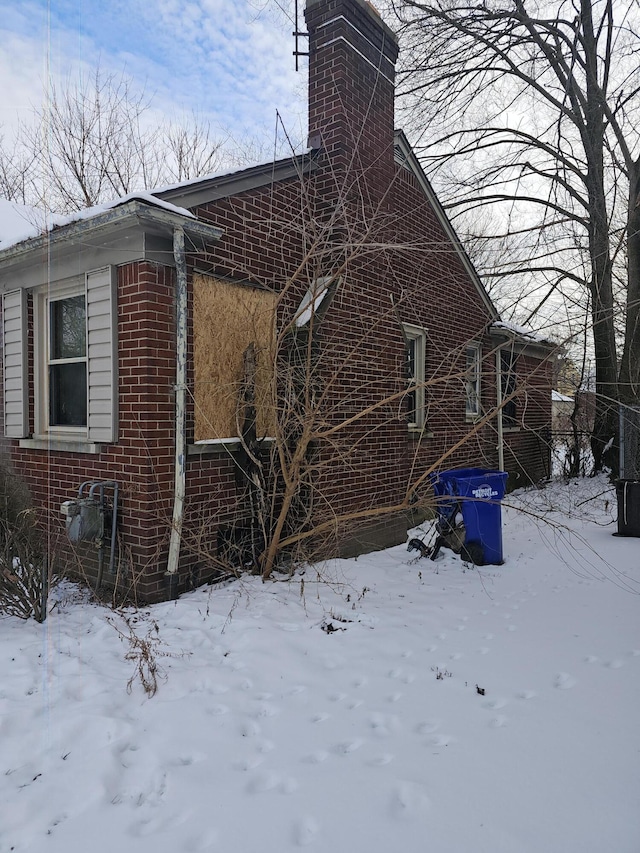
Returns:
(102,358)
(14,337)
(99,290)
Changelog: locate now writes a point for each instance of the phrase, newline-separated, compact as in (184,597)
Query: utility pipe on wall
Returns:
(180,389)
(499,407)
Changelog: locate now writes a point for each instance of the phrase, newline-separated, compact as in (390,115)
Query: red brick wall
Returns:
(527,449)
(142,460)
(361,215)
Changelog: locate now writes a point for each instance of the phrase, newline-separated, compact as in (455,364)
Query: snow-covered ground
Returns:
(272,731)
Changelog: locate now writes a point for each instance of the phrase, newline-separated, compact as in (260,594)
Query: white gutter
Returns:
(499,405)
(181,386)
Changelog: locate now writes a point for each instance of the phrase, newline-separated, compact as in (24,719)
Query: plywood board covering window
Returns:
(226,319)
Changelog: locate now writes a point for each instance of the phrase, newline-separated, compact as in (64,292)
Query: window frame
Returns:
(418,336)
(508,385)
(43,299)
(472,380)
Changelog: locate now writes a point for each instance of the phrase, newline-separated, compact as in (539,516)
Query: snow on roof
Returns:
(521,332)
(557,397)
(19,223)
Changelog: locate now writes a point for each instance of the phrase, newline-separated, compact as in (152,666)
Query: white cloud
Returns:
(221,58)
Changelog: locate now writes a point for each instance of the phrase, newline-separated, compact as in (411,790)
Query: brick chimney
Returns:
(352,55)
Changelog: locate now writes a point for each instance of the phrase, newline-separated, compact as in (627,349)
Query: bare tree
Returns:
(535,105)
(96,140)
(317,364)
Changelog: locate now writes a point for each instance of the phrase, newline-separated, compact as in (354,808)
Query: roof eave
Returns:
(132,211)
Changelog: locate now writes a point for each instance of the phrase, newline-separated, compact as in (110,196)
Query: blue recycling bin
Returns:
(476,493)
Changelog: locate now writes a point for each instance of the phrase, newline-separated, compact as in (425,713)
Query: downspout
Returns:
(171,576)
(499,409)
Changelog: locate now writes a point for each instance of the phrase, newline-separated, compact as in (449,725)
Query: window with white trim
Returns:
(416,352)
(509,380)
(67,361)
(74,356)
(472,380)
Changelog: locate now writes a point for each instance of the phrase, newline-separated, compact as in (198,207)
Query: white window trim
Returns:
(419,335)
(42,298)
(311,301)
(100,427)
(473,414)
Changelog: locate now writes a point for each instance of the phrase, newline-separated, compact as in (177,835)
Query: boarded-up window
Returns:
(226,319)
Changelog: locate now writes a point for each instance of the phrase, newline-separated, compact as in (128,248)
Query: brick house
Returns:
(126,332)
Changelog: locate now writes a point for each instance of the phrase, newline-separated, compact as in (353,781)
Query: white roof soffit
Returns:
(131,212)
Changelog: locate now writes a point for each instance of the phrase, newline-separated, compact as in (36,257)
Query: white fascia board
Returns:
(163,217)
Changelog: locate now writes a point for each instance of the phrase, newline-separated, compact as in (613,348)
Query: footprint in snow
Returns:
(409,800)
(381,760)
(320,717)
(526,694)
(615,664)
(263,782)
(348,746)
(316,757)
(384,725)
(249,728)
(305,831)
(247,764)
(499,722)
(288,785)
(427,727)
(440,740)
(216,710)
(564,681)
(496,704)
(201,843)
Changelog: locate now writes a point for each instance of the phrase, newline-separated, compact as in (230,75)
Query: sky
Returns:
(228,60)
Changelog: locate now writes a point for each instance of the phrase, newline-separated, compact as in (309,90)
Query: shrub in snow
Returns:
(24,570)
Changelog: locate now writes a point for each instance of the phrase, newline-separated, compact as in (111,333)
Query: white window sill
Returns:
(66,445)
(419,432)
(210,446)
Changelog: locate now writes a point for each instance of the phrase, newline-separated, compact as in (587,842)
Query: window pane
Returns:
(68,394)
(472,380)
(411,378)
(68,328)
(509,383)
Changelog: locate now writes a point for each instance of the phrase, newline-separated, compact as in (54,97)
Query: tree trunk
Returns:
(604,439)
(629,379)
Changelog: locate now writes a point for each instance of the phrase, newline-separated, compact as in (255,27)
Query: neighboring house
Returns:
(562,406)
(127,328)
